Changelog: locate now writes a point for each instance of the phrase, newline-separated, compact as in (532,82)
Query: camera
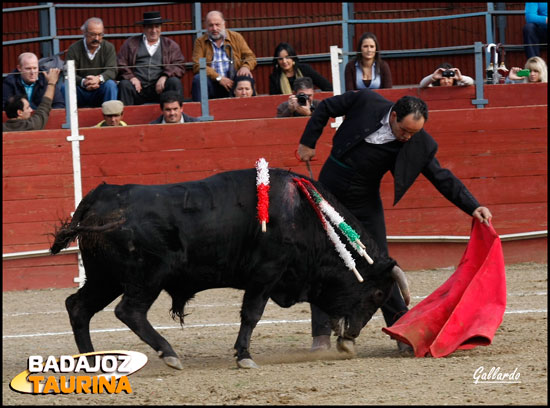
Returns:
(448,73)
(523,73)
(302,99)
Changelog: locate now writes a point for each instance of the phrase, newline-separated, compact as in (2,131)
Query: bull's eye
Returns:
(378,296)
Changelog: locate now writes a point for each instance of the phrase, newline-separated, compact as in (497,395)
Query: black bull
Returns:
(137,240)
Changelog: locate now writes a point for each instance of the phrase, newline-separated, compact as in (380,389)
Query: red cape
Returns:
(467,309)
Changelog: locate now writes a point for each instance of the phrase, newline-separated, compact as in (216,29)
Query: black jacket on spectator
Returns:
(318,80)
(11,85)
(186,119)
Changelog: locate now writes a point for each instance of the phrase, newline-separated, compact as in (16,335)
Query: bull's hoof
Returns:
(247,363)
(320,343)
(173,362)
(404,348)
(345,345)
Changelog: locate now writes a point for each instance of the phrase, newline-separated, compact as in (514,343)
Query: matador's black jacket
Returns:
(354,170)
(363,111)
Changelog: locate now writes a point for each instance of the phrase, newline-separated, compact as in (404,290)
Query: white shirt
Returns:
(384,134)
(91,56)
(151,49)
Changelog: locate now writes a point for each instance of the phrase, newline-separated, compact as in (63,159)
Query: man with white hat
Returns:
(149,64)
(112,114)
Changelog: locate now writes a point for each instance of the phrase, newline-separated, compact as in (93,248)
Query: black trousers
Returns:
(355,181)
(129,96)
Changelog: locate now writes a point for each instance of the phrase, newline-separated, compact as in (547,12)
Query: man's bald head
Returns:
(27,64)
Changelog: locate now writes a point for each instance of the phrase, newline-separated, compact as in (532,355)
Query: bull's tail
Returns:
(69,231)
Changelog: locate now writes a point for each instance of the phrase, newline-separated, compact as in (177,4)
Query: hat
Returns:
(152,17)
(113,107)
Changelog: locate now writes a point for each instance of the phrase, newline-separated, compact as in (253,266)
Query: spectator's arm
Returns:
(200,52)
(71,55)
(318,80)
(123,63)
(248,58)
(426,81)
(110,61)
(283,110)
(532,14)
(274,88)
(465,80)
(174,56)
(385,72)
(349,75)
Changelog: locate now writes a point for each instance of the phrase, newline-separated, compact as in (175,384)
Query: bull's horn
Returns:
(399,276)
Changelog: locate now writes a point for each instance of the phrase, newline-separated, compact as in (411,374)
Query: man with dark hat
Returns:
(149,64)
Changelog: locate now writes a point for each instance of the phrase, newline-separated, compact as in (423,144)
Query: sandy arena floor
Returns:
(35,322)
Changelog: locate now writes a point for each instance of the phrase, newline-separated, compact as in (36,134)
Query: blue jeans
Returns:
(107,91)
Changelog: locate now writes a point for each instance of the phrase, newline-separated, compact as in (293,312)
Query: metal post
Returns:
(53,29)
(44,31)
(479,101)
(75,139)
(347,35)
(489,23)
(197,23)
(204,91)
(335,61)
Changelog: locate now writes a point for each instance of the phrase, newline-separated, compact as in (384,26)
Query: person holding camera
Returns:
(446,75)
(301,102)
(535,71)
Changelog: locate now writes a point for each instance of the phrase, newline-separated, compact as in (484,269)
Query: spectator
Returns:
(446,75)
(286,68)
(367,69)
(535,30)
(227,56)
(19,111)
(26,79)
(171,107)
(95,65)
(149,64)
(243,87)
(112,114)
(538,72)
(301,102)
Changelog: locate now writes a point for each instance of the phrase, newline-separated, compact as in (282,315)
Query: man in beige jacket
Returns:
(227,55)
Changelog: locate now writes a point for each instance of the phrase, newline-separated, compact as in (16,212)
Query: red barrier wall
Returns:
(499,153)
(265,106)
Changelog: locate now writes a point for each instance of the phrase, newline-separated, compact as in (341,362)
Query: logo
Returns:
(89,373)
(495,376)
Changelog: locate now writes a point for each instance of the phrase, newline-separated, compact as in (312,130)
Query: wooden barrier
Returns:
(437,98)
(499,153)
